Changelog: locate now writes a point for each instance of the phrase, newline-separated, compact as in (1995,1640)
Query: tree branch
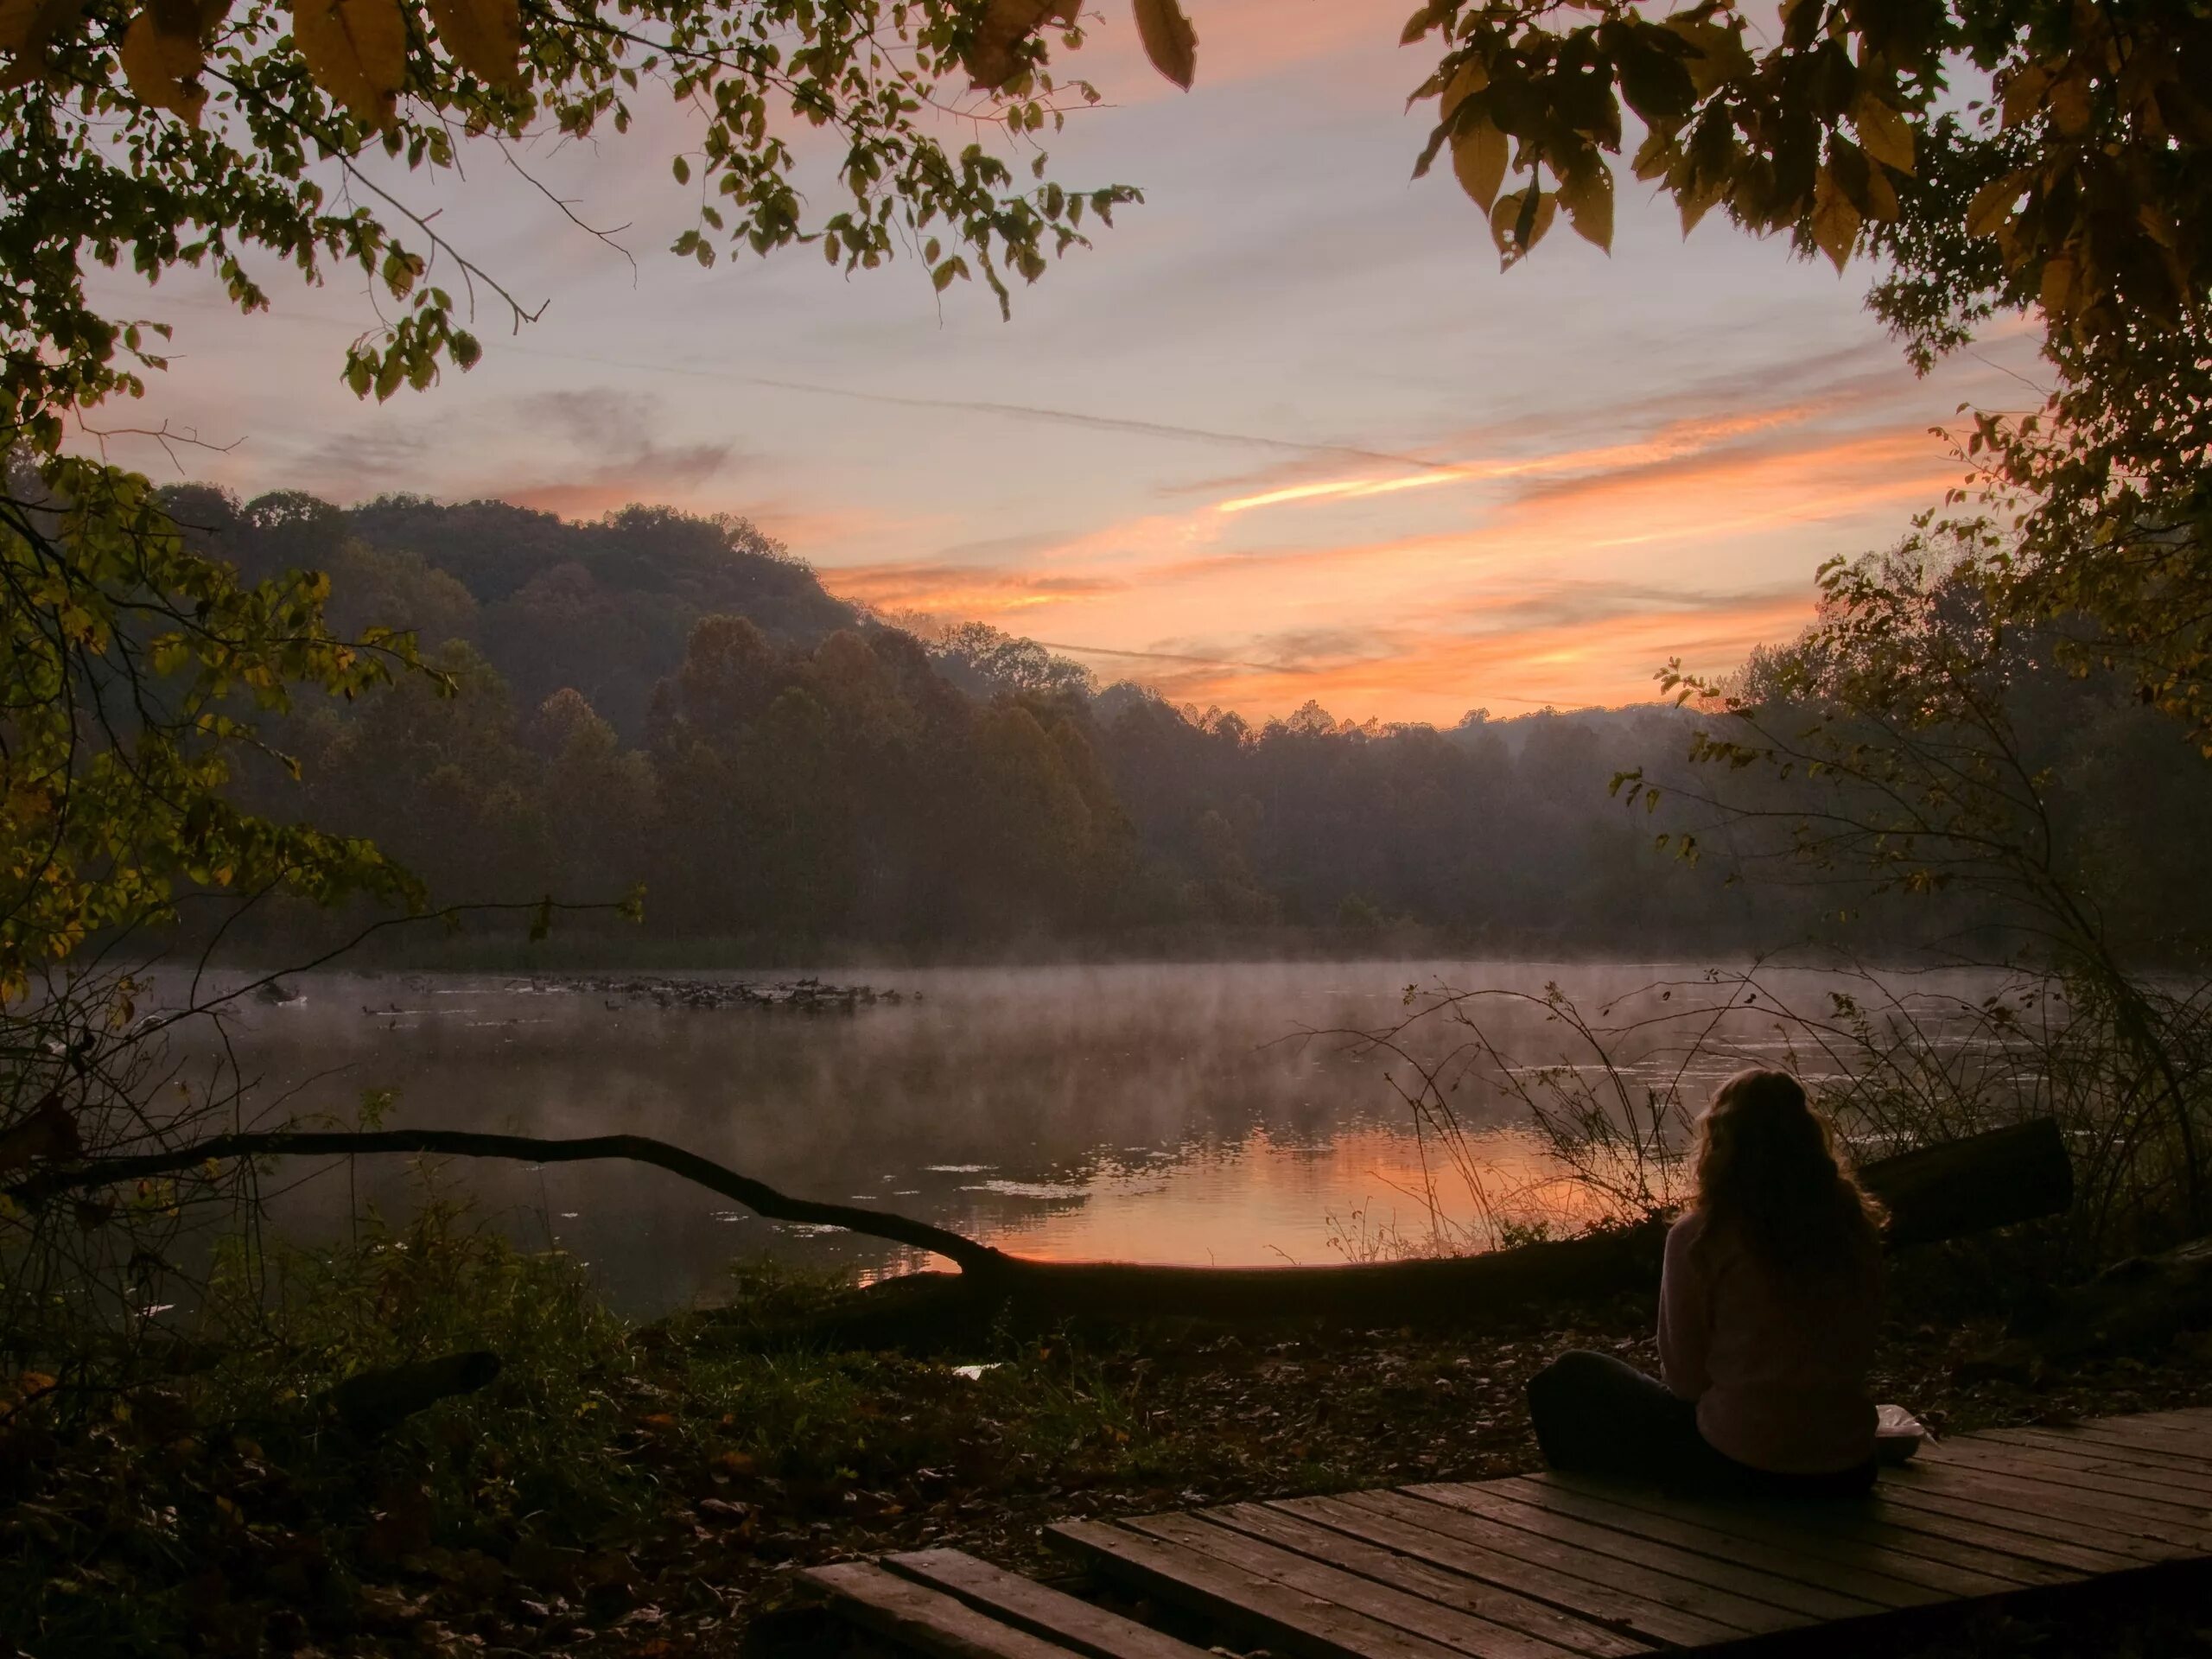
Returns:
(756,1196)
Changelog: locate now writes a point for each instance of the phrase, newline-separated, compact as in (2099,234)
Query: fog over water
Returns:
(1145,1113)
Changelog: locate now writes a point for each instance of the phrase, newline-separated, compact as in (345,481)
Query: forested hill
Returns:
(604,608)
(675,701)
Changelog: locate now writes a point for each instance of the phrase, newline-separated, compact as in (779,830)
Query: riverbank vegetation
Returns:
(646,1489)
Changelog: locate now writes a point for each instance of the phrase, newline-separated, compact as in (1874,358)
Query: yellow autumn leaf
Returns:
(1478,159)
(1720,55)
(991,60)
(356,51)
(2023,91)
(1694,207)
(1505,224)
(482,37)
(1470,78)
(2068,100)
(1884,133)
(2057,291)
(1836,222)
(1169,39)
(161,59)
(1588,199)
(1881,203)
(1993,204)
(26,25)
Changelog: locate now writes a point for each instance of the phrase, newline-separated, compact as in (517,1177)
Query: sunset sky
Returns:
(1286,433)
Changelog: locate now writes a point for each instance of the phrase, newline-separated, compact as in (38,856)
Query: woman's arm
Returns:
(1685,1320)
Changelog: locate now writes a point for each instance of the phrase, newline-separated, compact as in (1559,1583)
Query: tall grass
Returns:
(1899,1059)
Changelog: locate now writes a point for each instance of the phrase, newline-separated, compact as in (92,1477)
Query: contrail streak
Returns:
(895,400)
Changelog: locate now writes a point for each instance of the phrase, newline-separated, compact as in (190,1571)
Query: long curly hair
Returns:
(1768,1177)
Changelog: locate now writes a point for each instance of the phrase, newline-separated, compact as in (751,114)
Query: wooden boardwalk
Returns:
(1550,1566)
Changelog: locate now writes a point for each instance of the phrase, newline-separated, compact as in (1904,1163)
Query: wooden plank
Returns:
(1980,1505)
(2060,1468)
(1430,1533)
(1385,1566)
(1764,1537)
(2088,1453)
(1007,1596)
(2181,1531)
(2184,1449)
(916,1616)
(2185,1420)
(1557,1545)
(1858,1534)
(1962,1526)
(1460,1631)
(1286,1620)
(2100,1436)
(1630,1535)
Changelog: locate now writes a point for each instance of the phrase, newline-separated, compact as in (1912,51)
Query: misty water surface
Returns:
(1148,1113)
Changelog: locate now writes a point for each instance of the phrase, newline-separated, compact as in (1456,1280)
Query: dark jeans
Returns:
(1597,1416)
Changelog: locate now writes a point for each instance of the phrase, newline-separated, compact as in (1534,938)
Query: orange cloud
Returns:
(962,590)
(1437,675)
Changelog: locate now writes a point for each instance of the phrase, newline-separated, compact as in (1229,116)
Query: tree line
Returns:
(675,703)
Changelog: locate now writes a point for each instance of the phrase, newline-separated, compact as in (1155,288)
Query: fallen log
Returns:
(371,1403)
(1989,1180)
(1954,1190)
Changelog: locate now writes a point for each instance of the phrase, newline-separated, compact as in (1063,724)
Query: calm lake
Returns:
(1144,1113)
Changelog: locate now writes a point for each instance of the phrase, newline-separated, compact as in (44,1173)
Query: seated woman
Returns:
(1767,1314)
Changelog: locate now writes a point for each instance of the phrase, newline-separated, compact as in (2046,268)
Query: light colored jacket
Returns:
(1778,1369)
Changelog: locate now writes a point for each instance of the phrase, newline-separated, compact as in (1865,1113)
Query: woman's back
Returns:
(1775,1359)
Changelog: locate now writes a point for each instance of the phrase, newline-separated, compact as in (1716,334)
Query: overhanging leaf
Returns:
(1169,39)
(1518,222)
(356,51)
(1836,222)
(27,25)
(483,36)
(1884,133)
(161,59)
(1588,199)
(1479,154)
(1993,204)
(992,61)
(1720,56)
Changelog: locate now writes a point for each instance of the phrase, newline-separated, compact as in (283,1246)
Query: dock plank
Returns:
(1788,1547)
(2169,1529)
(1464,1632)
(1651,1541)
(1559,1566)
(2058,1469)
(1403,1572)
(917,1617)
(1285,1619)
(1977,1506)
(1556,1545)
(1425,1531)
(1860,1533)
(1078,1625)
(2109,1456)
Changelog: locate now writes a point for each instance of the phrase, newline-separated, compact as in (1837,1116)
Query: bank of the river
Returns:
(648,1490)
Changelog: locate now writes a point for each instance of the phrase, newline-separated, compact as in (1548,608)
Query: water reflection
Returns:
(1143,1112)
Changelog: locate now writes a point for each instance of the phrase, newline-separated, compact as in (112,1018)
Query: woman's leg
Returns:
(1596,1415)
